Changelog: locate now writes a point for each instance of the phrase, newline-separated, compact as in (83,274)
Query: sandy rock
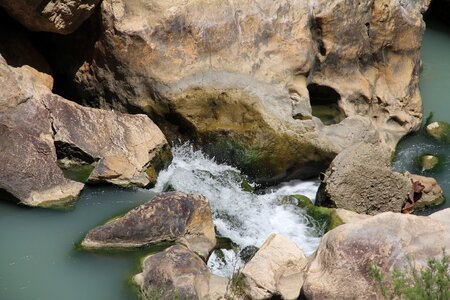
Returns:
(40,128)
(168,217)
(442,215)
(360,179)
(243,76)
(277,268)
(339,269)
(177,271)
(62,16)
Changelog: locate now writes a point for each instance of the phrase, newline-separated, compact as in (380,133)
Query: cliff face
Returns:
(241,77)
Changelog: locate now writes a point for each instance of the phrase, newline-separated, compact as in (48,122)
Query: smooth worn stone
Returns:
(340,266)
(360,179)
(241,79)
(169,217)
(42,133)
(178,272)
(348,216)
(276,269)
(428,162)
(62,16)
(440,131)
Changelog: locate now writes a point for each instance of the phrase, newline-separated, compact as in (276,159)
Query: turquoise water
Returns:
(38,259)
(434,86)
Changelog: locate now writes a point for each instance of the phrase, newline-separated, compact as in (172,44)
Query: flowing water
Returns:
(434,85)
(38,256)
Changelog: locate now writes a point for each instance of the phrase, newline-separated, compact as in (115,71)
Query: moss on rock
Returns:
(439,131)
(231,126)
(324,216)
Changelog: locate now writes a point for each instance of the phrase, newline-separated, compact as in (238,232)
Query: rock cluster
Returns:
(244,77)
(40,129)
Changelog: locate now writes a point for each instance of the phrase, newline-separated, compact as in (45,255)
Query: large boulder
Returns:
(178,273)
(360,179)
(277,268)
(62,16)
(43,133)
(339,268)
(169,217)
(243,79)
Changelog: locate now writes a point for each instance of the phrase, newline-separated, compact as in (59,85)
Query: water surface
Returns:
(435,91)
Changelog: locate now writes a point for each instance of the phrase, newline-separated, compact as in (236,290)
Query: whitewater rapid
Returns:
(246,218)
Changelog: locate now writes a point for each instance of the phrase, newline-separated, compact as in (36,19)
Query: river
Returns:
(39,259)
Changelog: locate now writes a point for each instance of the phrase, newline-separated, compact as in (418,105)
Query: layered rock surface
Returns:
(61,16)
(40,128)
(243,75)
(339,269)
(168,217)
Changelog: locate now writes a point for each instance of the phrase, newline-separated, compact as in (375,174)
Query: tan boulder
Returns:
(276,269)
(178,272)
(348,216)
(339,268)
(243,78)
(62,16)
(169,217)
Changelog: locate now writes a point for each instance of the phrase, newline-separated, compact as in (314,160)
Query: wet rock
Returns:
(247,253)
(360,179)
(178,273)
(276,269)
(169,217)
(42,133)
(428,162)
(240,80)
(322,218)
(62,16)
(339,268)
(440,131)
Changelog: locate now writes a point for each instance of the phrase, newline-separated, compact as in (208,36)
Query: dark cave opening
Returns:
(325,104)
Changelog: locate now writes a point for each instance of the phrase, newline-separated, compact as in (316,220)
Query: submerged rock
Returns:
(276,269)
(178,273)
(360,179)
(240,79)
(63,16)
(428,162)
(42,132)
(169,217)
(339,268)
(440,131)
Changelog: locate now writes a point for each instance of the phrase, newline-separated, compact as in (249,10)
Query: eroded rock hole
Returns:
(324,103)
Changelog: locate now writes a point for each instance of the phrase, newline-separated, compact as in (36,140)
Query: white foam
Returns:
(246,218)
